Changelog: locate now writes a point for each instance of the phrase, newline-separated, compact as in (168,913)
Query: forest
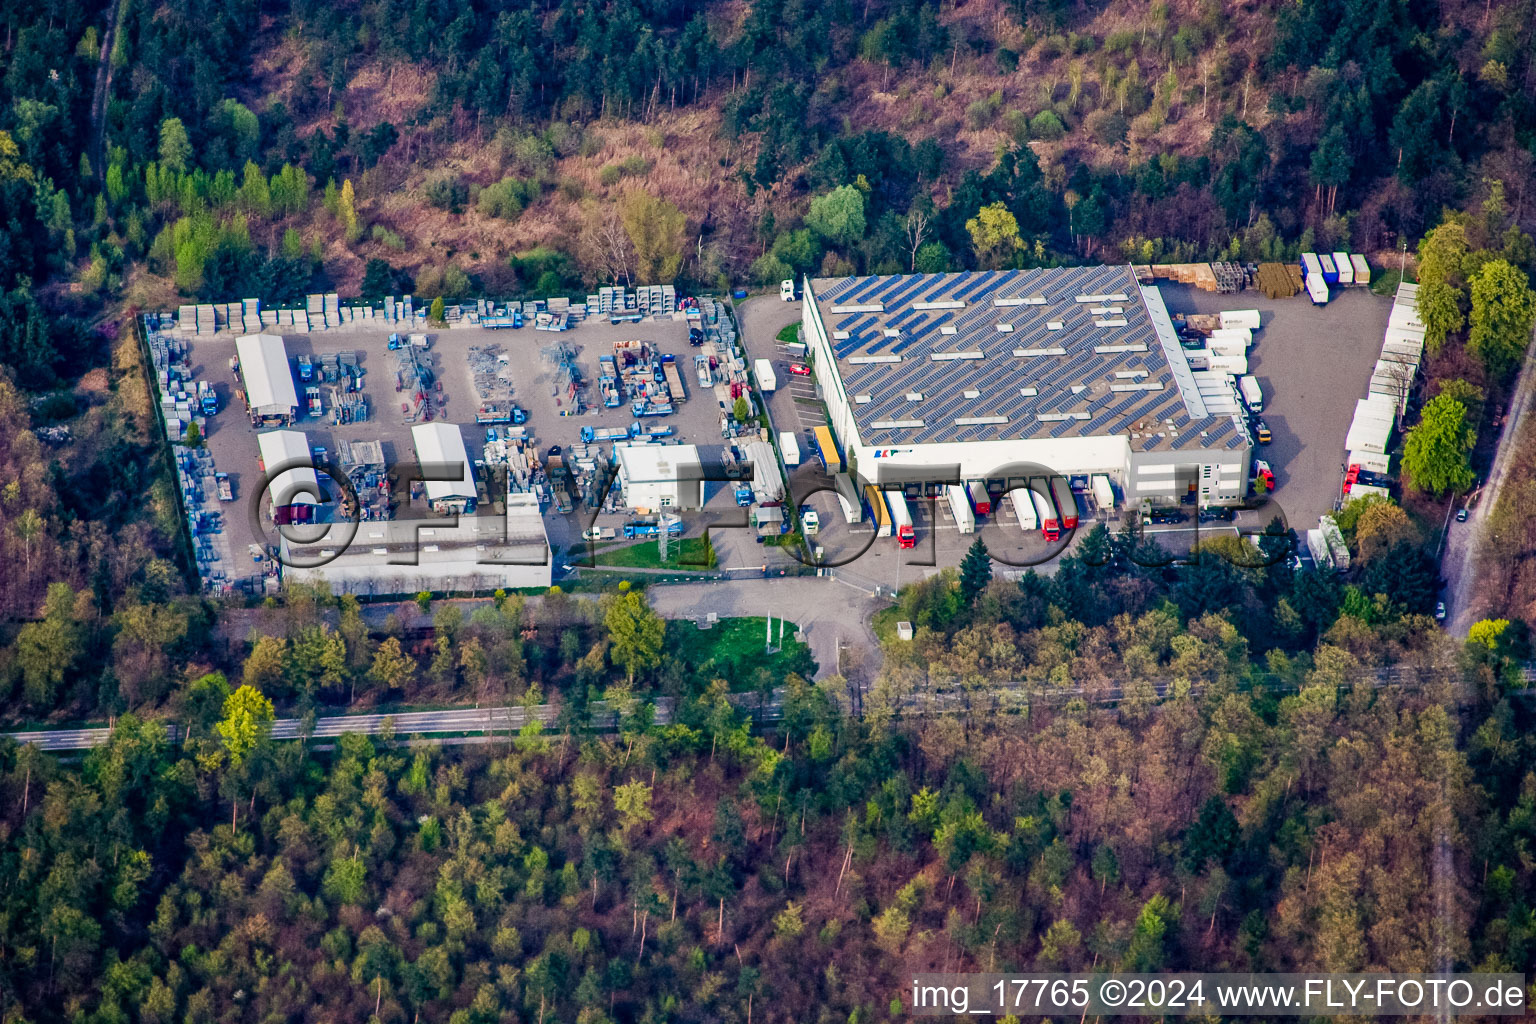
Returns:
(1274,812)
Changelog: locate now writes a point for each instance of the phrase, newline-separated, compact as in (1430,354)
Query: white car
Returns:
(787,291)
(1440,611)
(810,522)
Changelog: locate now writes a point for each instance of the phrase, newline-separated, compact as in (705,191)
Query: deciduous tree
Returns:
(1503,311)
(655,228)
(994,234)
(1436,454)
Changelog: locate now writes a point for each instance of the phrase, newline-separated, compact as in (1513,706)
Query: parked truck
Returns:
(645,408)
(592,434)
(1045,514)
(674,379)
(226,492)
(1237,318)
(981,498)
(1253,395)
(639,432)
(901,520)
(1024,508)
(207,398)
(765,378)
(1066,502)
(641,528)
(306,369)
(960,507)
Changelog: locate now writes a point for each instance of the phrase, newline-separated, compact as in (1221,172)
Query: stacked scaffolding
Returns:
(491,374)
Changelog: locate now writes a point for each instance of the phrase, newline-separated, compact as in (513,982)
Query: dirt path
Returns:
(103,89)
(1459,566)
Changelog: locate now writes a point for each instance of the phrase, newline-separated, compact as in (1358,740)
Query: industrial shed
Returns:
(1073,371)
(440,452)
(475,554)
(293,489)
(270,394)
(657,476)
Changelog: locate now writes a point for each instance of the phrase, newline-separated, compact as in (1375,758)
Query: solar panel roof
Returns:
(1052,352)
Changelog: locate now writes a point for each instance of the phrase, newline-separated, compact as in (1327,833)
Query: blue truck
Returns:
(638,431)
(641,528)
(591,434)
(643,408)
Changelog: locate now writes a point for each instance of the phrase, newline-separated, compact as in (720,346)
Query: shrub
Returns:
(1047,126)
(447,192)
(507,198)
(1107,127)
(388,238)
(981,113)
(636,166)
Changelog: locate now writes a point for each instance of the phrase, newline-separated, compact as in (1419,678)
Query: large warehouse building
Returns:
(995,375)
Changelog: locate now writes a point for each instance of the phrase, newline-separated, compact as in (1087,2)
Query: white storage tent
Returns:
(269,388)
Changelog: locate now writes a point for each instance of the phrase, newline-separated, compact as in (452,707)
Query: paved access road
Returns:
(1463,540)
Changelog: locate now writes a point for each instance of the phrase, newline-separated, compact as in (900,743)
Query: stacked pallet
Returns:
(1230,277)
(1198,274)
(1276,281)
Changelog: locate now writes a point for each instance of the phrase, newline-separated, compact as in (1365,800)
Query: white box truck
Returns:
(1235,318)
(789,447)
(1233,364)
(960,506)
(1253,395)
(1243,335)
(765,378)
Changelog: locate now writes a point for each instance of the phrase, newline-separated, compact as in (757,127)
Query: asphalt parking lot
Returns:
(1314,363)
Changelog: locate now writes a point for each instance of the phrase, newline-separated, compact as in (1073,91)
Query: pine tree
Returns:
(975,571)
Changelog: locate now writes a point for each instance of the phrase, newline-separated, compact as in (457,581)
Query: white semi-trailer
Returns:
(1024,508)
(960,505)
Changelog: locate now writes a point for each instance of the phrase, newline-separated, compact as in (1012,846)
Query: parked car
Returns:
(800,369)
(1261,430)
(1165,516)
(1461,514)
(1213,515)
(1439,611)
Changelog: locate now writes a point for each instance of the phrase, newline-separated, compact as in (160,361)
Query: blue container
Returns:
(739,293)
